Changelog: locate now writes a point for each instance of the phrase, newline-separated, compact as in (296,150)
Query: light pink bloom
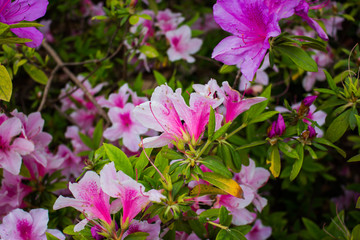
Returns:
(131,193)
(72,165)
(185,236)
(72,132)
(84,118)
(332,25)
(235,104)
(237,206)
(118,99)
(259,232)
(12,147)
(21,225)
(168,21)
(46,30)
(146,26)
(125,126)
(166,111)
(33,131)
(89,199)
(254,178)
(143,226)
(206,23)
(182,45)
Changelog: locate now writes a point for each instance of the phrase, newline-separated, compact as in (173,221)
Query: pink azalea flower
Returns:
(166,111)
(206,23)
(168,21)
(84,118)
(146,26)
(185,236)
(125,126)
(21,225)
(89,199)
(235,104)
(12,12)
(12,192)
(72,132)
(332,25)
(254,178)
(237,206)
(72,165)
(118,99)
(251,24)
(33,131)
(143,226)
(182,45)
(47,31)
(131,193)
(259,232)
(12,147)
(277,128)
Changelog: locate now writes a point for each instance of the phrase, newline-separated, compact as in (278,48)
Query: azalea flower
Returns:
(71,164)
(131,193)
(89,199)
(146,26)
(182,45)
(12,147)
(235,104)
(144,226)
(21,225)
(252,24)
(125,126)
(277,128)
(168,21)
(12,12)
(259,232)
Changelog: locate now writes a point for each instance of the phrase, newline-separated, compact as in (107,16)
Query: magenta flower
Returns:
(309,100)
(277,128)
(12,12)
(71,164)
(125,126)
(259,232)
(143,226)
(89,199)
(12,147)
(182,45)
(235,104)
(252,24)
(254,178)
(168,21)
(21,225)
(131,193)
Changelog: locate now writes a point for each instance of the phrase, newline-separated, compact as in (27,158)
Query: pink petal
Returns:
(22,146)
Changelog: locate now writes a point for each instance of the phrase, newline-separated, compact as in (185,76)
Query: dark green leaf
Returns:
(287,150)
(314,231)
(16,40)
(355,235)
(338,127)
(253,144)
(160,79)
(355,158)
(3,27)
(97,135)
(262,117)
(137,236)
(213,163)
(120,159)
(326,142)
(221,131)
(5,84)
(299,57)
(330,81)
(230,234)
(25,24)
(86,140)
(211,125)
(298,162)
(225,217)
(258,108)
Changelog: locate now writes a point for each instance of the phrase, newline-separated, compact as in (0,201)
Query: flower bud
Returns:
(312,132)
(309,100)
(277,128)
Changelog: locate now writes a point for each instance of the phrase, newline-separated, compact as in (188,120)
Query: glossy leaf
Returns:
(299,57)
(338,127)
(120,159)
(5,84)
(36,74)
(298,163)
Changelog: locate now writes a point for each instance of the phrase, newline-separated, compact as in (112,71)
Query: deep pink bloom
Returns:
(277,128)
(312,132)
(259,232)
(21,225)
(168,21)
(235,104)
(89,199)
(252,24)
(254,178)
(309,100)
(125,126)
(12,12)
(131,193)
(182,45)
(12,147)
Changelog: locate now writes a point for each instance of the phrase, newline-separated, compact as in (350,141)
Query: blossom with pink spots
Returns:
(21,225)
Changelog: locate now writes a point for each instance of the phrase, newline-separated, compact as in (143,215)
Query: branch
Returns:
(47,87)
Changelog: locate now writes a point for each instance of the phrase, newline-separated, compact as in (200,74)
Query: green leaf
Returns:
(120,159)
(221,131)
(5,84)
(358,203)
(338,127)
(355,235)
(214,164)
(86,140)
(69,230)
(352,118)
(203,189)
(314,231)
(160,79)
(134,19)
(258,108)
(358,122)
(137,236)
(253,144)
(298,162)
(299,57)
(214,212)
(227,69)
(330,81)
(224,217)
(262,117)
(36,74)
(287,150)
(142,161)
(3,27)
(97,135)
(355,158)
(16,40)
(49,236)
(230,234)
(145,16)
(25,24)
(211,125)
(325,90)
(275,161)
(311,152)
(226,184)
(149,51)
(328,143)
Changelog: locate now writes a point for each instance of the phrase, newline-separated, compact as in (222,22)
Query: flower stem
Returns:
(235,131)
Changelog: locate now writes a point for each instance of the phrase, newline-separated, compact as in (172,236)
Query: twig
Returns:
(59,62)
(72,121)
(350,57)
(47,87)
(208,59)
(237,79)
